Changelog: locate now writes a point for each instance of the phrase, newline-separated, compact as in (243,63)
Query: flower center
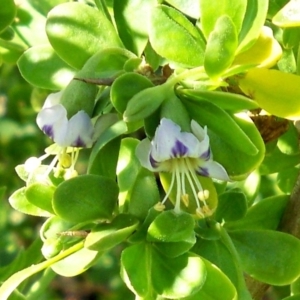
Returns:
(64,163)
(183,171)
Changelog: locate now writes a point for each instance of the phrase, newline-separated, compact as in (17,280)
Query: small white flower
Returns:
(68,135)
(184,154)
(53,121)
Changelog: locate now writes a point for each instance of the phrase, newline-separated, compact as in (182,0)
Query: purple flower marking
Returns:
(203,171)
(48,130)
(206,154)
(179,149)
(78,142)
(153,162)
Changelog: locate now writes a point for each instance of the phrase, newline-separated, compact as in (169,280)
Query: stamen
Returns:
(189,171)
(159,206)
(203,195)
(70,173)
(51,166)
(65,160)
(185,199)
(207,211)
(178,194)
(199,212)
(170,188)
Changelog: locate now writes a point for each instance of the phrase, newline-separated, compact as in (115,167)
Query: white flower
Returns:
(68,135)
(184,154)
(53,121)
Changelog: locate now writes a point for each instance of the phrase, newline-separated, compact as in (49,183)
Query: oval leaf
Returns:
(85,198)
(276,92)
(40,195)
(268,256)
(220,49)
(74,32)
(184,44)
(41,67)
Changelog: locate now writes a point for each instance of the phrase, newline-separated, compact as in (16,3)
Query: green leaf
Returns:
(171,227)
(265,51)
(138,188)
(222,124)
(175,249)
(221,46)
(254,19)
(273,90)
(238,164)
(146,102)
(107,235)
(187,7)
(108,143)
(266,214)
(268,256)
(287,179)
(136,269)
(7,14)
(7,34)
(218,253)
(106,63)
(76,263)
(41,67)
(74,32)
(40,195)
(289,15)
(132,23)
(125,87)
(217,286)
(232,206)
(73,94)
(20,203)
(29,25)
(288,142)
(225,100)
(143,269)
(290,37)
(85,198)
(172,108)
(184,44)
(276,161)
(212,11)
(177,277)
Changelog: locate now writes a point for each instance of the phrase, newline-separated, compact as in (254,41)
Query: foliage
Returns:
(175,146)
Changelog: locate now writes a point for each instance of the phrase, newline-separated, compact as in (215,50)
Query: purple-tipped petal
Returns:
(53,122)
(80,130)
(206,155)
(142,152)
(213,169)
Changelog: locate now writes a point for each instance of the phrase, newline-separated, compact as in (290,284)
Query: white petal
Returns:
(52,99)
(80,131)
(215,170)
(170,142)
(198,131)
(53,122)
(142,152)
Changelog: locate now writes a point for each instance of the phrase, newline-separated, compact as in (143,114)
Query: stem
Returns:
(290,220)
(12,282)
